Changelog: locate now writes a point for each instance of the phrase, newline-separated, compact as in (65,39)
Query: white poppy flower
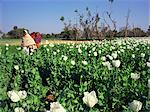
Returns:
(90,99)
(148,64)
(84,62)
(112,47)
(107,63)
(93,49)
(22,71)
(99,51)
(116,63)
(7,48)
(45,45)
(56,107)
(22,94)
(103,58)
(110,57)
(71,47)
(95,53)
(148,83)
(79,50)
(32,50)
(54,53)
(114,55)
(19,109)
(13,95)
(122,50)
(72,62)
(51,45)
(119,52)
(142,55)
(58,50)
(7,44)
(137,49)
(46,42)
(135,76)
(135,105)
(65,58)
(16,67)
(47,50)
(133,55)
(31,53)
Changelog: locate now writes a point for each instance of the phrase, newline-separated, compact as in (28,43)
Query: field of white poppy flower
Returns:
(106,76)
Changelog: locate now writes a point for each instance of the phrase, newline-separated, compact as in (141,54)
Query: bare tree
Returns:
(127,23)
(109,31)
(112,20)
(88,23)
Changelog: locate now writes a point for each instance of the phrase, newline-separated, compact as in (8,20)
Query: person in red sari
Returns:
(32,35)
(37,39)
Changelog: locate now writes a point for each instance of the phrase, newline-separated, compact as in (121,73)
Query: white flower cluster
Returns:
(148,64)
(135,76)
(142,55)
(90,99)
(79,50)
(114,55)
(7,45)
(16,67)
(7,48)
(46,41)
(110,57)
(133,55)
(19,109)
(95,53)
(51,45)
(58,50)
(113,58)
(54,53)
(16,96)
(135,105)
(103,58)
(116,63)
(56,107)
(107,63)
(84,62)
(64,57)
(73,62)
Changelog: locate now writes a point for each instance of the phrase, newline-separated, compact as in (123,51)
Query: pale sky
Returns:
(44,15)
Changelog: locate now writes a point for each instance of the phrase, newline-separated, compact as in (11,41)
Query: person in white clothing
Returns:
(28,42)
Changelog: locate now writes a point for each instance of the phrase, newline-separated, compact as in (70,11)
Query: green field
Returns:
(106,76)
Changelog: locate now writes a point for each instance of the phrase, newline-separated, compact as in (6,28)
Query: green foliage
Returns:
(51,68)
(16,32)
